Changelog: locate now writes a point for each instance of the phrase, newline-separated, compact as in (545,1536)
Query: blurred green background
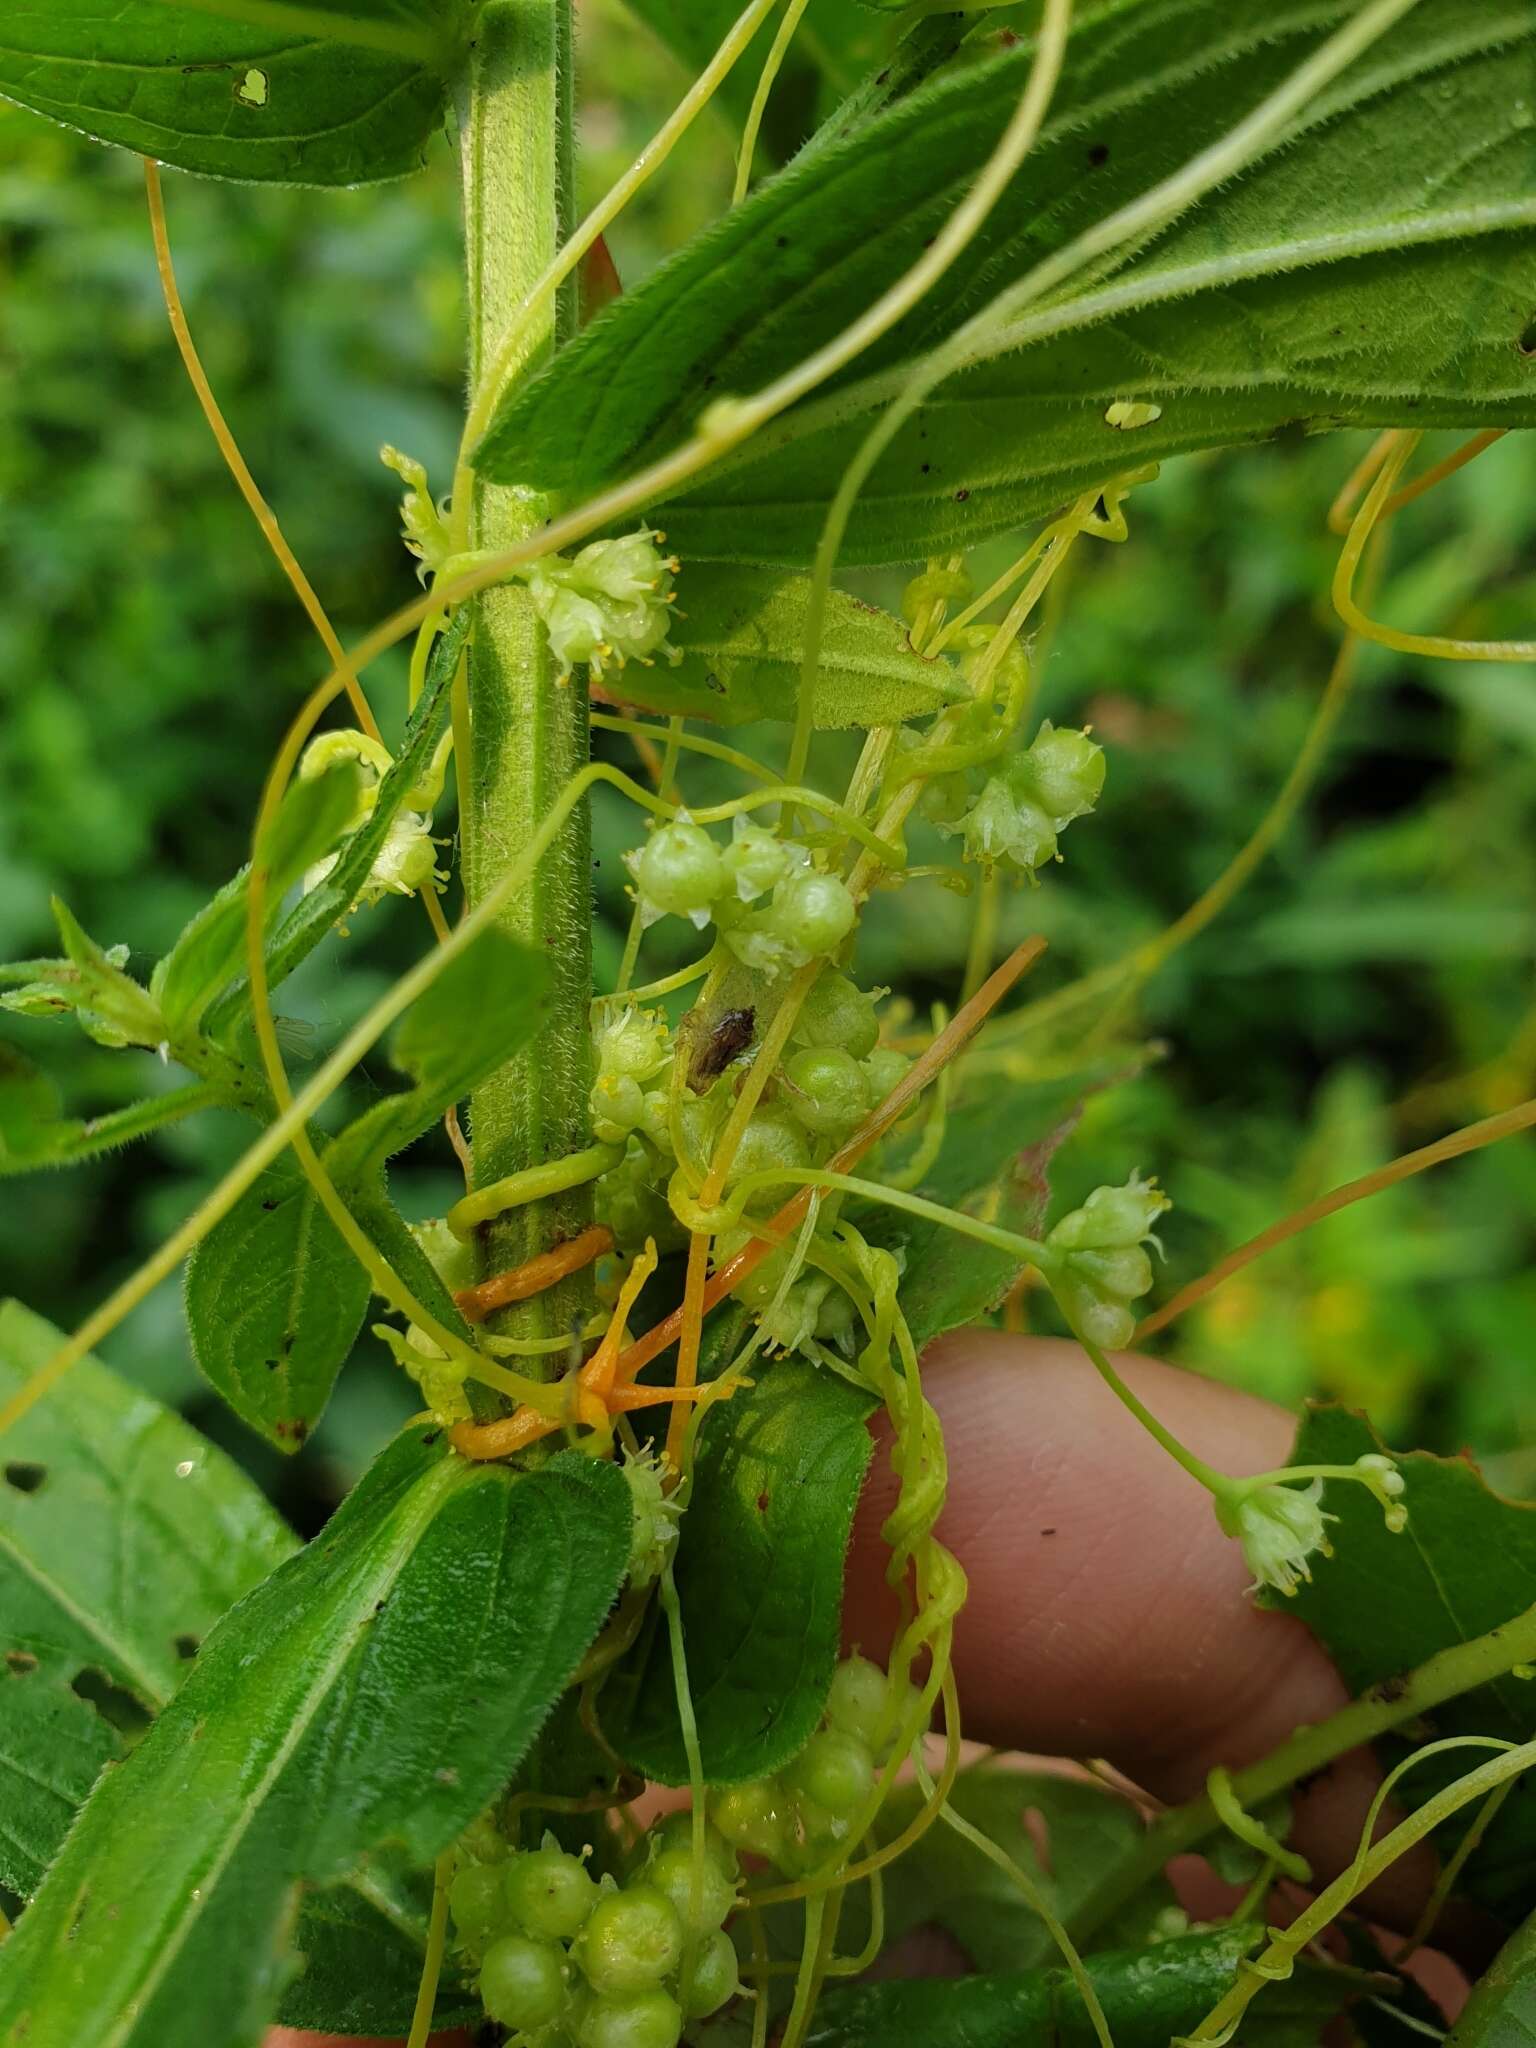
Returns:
(1372,988)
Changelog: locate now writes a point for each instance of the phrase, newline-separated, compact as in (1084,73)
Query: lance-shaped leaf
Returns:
(1148,1996)
(376,1690)
(274,1297)
(281,91)
(1383,270)
(759,1574)
(90,984)
(124,1536)
(742,638)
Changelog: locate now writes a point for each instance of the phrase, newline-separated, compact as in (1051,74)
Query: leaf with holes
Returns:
(336,94)
(124,1536)
(1382,1604)
(1328,285)
(759,1577)
(742,640)
(375,1691)
(274,1302)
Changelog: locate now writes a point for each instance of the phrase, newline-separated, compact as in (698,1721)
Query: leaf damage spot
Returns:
(253,89)
(19,1662)
(187,1647)
(1525,340)
(25,1476)
(115,1704)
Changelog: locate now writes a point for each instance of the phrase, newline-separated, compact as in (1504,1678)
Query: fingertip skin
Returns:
(1107,1614)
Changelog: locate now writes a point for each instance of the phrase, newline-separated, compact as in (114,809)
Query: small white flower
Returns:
(1280,1528)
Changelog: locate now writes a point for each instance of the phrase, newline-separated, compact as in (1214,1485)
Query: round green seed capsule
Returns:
(641,2019)
(857,1701)
(522,1982)
(836,1012)
(549,1893)
(680,869)
(752,1816)
(813,913)
(828,1090)
(836,1770)
(715,1977)
(675,1831)
(477,1902)
(883,1069)
(672,1874)
(632,1940)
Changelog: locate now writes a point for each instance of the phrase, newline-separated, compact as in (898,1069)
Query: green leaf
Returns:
(376,1690)
(743,640)
(1079,1831)
(1327,286)
(361,1970)
(832,44)
(292,92)
(485,1006)
(1382,1604)
(124,1535)
(759,1573)
(274,1302)
(1501,2013)
(310,820)
(29,1139)
(317,914)
(1148,1994)
(999,1141)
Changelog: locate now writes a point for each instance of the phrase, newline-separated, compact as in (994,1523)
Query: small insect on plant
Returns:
(980,272)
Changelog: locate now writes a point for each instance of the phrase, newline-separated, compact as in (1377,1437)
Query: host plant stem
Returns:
(529,729)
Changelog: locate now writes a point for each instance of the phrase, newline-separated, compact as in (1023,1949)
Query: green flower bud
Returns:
(617,1105)
(857,1701)
(1064,771)
(522,1982)
(679,869)
(828,1091)
(754,1817)
(836,1770)
(477,1902)
(837,1013)
(632,1940)
(1112,1218)
(714,1979)
(884,1068)
(812,913)
(630,570)
(639,2019)
(549,1893)
(671,1871)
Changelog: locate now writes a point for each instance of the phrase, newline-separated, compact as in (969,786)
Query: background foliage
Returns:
(1372,987)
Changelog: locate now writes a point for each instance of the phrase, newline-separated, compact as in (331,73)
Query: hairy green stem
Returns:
(1378,1711)
(529,730)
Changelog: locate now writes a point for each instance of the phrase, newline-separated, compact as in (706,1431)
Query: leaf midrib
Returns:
(416,1512)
